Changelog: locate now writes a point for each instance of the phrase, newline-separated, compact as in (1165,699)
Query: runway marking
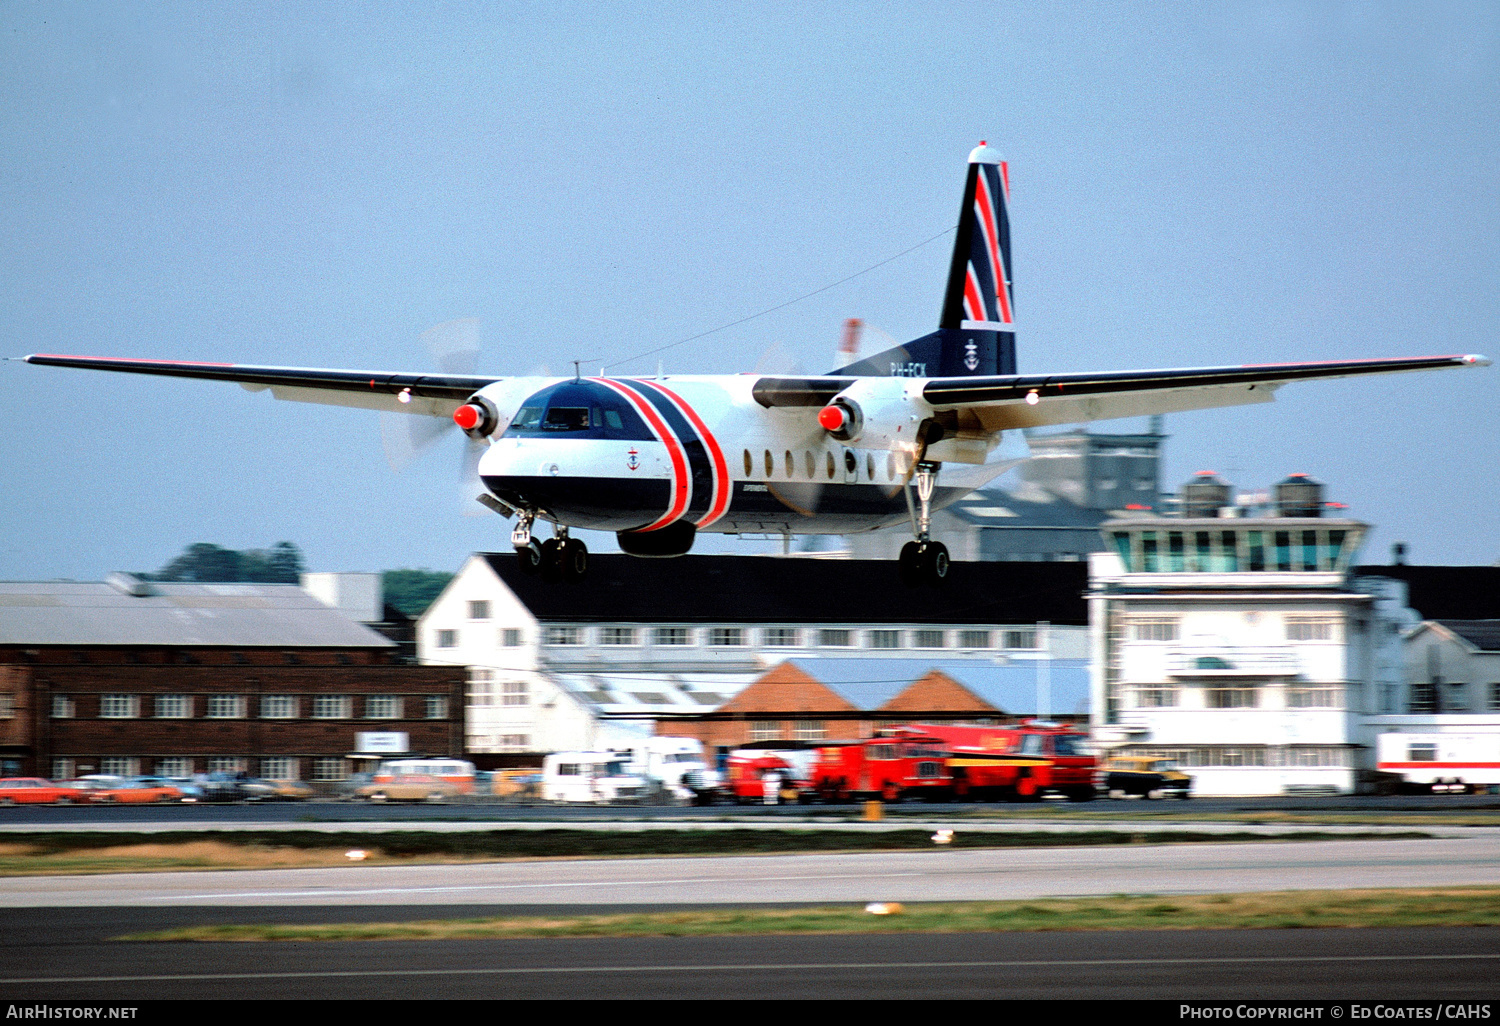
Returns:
(754,967)
(549,885)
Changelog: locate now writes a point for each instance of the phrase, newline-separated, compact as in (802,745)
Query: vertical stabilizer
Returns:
(976,333)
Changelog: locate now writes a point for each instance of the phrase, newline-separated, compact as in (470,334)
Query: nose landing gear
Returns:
(558,558)
(924,559)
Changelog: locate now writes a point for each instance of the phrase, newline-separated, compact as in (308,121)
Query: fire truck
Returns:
(888,768)
(1014,761)
(748,768)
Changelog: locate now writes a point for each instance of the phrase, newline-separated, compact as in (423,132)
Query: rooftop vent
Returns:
(1204,495)
(1299,496)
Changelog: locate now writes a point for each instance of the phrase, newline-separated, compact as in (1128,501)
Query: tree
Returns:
(204,562)
(412,591)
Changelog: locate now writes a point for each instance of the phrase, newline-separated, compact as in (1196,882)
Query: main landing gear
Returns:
(924,559)
(558,558)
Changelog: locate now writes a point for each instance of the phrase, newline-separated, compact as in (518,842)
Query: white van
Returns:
(1444,762)
(667,760)
(589,777)
(459,772)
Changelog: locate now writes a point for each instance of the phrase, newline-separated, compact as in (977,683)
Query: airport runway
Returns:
(73,964)
(940,875)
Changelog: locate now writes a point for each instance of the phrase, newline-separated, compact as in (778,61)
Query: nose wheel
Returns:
(559,558)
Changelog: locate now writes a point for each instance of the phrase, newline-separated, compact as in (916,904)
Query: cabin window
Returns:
(831,468)
(770,465)
(869,466)
(812,468)
(749,464)
(791,465)
(1421,751)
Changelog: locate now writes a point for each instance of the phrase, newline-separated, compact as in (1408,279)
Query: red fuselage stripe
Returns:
(719,503)
(681,483)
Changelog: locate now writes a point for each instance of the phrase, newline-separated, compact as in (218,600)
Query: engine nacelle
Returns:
(672,540)
(478,417)
(878,413)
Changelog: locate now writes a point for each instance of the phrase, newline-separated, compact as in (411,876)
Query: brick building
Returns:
(136,677)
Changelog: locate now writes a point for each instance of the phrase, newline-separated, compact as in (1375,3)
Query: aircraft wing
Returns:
(1031,400)
(436,395)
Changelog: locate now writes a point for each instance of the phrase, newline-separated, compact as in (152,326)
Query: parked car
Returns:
(35,791)
(1143,775)
(189,791)
(410,789)
(137,792)
(260,789)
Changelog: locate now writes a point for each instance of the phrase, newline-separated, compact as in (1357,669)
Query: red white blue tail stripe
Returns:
(987,295)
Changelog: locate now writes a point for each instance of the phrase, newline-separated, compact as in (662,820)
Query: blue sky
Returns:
(316,184)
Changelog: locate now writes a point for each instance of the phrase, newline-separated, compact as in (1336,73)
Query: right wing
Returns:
(436,395)
(1003,402)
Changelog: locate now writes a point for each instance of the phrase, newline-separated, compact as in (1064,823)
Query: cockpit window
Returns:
(527,418)
(567,418)
(578,410)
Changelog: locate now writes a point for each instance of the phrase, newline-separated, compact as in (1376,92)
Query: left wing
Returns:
(437,395)
(1031,400)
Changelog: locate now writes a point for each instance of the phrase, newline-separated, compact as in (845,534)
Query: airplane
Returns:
(658,459)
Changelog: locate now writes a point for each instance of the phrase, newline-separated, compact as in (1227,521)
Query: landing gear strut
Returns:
(924,559)
(528,552)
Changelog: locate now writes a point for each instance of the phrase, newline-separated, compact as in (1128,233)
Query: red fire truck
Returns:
(749,767)
(888,768)
(1014,761)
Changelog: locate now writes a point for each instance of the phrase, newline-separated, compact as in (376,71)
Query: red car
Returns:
(36,791)
(137,792)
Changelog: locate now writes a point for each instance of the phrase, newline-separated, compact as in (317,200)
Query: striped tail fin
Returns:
(976,334)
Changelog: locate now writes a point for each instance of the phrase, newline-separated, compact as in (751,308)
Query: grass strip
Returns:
(1449,906)
(65,853)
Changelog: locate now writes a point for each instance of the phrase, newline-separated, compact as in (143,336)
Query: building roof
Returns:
(1015,510)
(1446,592)
(201,615)
(1012,689)
(647,694)
(798,590)
(1482,634)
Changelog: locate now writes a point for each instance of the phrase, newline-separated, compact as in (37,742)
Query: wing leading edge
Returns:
(433,394)
(1031,400)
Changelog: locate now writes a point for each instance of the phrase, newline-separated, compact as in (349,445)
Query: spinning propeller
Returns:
(454,349)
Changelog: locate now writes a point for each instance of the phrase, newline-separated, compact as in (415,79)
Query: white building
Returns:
(558,666)
(1244,648)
